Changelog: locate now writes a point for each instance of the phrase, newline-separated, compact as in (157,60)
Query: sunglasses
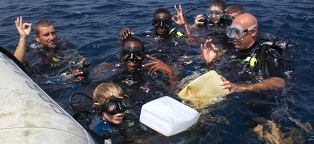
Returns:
(162,23)
(132,54)
(235,31)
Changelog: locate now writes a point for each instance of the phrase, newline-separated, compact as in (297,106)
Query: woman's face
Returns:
(214,13)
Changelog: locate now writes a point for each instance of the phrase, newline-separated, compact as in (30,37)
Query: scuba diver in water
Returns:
(109,106)
(258,69)
(214,21)
(162,22)
(231,12)
(50,54)
(267,66)
(144,78)
(133,56)
(166,42)
(212,25)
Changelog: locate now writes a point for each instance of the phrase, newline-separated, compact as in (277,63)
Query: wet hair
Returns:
(42,23)
(104,91)
(161,10)
(135,39)
(235,9)
(220,3)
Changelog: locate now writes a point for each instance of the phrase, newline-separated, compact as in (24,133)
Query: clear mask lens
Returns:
(235,31)
(215,13)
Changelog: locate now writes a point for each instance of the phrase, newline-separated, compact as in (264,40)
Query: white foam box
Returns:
(168,116)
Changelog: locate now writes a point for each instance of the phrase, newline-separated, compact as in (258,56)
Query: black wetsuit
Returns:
(261,104)
(54,65)
(105,132)
(267,65)
(141,88)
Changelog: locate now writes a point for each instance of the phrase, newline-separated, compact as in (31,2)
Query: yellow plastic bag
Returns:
(203,91)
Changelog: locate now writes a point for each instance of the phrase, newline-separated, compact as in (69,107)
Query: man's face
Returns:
(166,22)
(47,37)
(132,55)
(245,41)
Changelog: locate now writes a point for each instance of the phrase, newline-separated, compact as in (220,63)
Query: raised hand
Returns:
(199,20)
(24,29)
(158,65)
(178,18)
(125,33)
(209,51)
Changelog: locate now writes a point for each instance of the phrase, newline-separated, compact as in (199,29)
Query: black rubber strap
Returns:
(13,58)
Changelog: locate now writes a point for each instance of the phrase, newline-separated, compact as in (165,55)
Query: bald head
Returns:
(249,25)
(245,20)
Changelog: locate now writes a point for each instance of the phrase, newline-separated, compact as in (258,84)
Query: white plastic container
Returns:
(168,116)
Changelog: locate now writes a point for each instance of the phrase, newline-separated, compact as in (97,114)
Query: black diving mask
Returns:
(227,20)
(115,105)
(162,22)
(132,54)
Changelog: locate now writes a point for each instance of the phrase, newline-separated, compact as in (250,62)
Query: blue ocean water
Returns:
(93,27)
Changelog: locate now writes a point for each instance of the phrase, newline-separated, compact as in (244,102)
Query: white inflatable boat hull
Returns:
(29,116)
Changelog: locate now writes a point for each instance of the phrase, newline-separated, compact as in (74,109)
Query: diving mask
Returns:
(132,54)
(115,105)
(214,14)
(235,31)
(227,19)
(162,22)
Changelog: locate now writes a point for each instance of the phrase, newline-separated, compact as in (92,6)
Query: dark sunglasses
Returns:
(132,54)
(162,23)
(116,105)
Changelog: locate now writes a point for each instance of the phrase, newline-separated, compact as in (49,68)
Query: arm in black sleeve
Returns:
(275,65)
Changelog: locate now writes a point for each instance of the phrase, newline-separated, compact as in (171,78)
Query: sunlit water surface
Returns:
(93,27)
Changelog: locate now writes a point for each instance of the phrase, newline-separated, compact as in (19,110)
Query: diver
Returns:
(212,25)
(101,114)
(268,68)
(143,78)
(140,71)
(213,21)
(257,69)
(231,12)
(165,41)
(162,22)
(48,54)
(109,106)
